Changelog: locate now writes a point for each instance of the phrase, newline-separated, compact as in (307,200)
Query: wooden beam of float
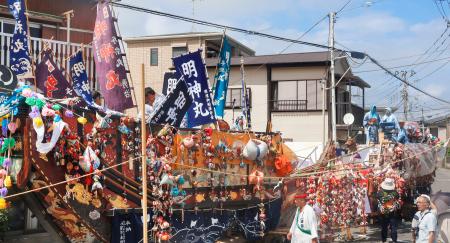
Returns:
(144,163)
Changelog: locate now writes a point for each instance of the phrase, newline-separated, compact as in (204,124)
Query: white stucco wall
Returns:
(300,126)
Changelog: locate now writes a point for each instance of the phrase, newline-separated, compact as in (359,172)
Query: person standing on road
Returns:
(388,206)
(304,226)
(424,225)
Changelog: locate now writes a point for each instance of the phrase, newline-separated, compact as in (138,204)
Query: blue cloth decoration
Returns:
(5,127)
(193,69)
(20,61)
(174,106)
(80,80)
(222,78)
(127,227)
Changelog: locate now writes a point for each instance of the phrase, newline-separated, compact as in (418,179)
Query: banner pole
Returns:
(144,163)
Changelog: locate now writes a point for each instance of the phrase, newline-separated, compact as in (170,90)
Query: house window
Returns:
(179,50)
(154,57)
(234,98)
(296,95)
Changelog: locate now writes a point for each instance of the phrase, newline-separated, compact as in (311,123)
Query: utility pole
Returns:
(404,94)
(193,14)
(323,111)
(333,81)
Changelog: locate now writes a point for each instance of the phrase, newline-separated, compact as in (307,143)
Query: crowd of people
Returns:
(424,226)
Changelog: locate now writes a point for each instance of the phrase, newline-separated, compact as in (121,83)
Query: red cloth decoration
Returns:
(301,196)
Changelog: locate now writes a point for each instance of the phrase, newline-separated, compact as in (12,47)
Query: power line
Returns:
(401,66)
(404,81)
(343,7)
(250,32)
(219,26)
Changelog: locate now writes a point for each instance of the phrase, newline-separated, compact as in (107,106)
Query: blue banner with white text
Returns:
(19,58)
(223,73)
(80,79)
(193,69)
(174,106)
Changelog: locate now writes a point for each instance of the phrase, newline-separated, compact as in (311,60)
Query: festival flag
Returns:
(111,73)
(245,106)
(19,58)
(170,81)
(80,79)
(222,78)
(50,80)
(174,107)
(193,69)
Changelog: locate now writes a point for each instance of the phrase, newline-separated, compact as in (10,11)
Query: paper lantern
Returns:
(38,121)
(6,163)
(7,182)
(3,203)
(12,127)
(57,118)
(31,101)
(40,103)
(3,192)
(47,111)
(27,92)
(68,113)
(34,112)
(82,120)
(56,107)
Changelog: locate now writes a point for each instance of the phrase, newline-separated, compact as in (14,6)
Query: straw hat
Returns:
(388,184)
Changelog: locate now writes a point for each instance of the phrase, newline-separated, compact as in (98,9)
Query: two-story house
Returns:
(286,89)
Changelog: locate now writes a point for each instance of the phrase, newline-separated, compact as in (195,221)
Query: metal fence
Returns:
(289,105)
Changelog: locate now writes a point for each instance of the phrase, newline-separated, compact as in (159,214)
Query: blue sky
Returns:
(386,29)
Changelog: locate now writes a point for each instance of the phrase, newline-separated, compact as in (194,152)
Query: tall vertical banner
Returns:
(111,73)
(245,106)
(193,69)
(174,107)
(170,82)
(50,80)
(222,78)
(19,58)
(80,79)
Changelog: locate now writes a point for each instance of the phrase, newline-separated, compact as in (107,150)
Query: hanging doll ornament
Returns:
(255,150)
(262,218)
(89,161)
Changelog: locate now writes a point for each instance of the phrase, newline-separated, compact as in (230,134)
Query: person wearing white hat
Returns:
(388,207)
(424,224)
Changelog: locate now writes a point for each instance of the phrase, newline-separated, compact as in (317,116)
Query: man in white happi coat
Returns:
(304,226)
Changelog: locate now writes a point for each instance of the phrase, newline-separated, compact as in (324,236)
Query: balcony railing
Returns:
(62,52)
(289,105)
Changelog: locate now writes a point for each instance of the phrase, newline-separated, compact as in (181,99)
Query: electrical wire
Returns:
(178,17)
(401,66)
(219,26)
